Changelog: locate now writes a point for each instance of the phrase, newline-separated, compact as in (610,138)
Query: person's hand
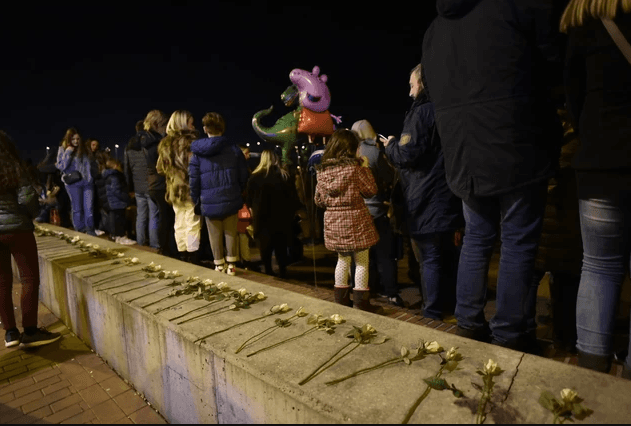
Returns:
(458,238)
(385,141)
(364,161)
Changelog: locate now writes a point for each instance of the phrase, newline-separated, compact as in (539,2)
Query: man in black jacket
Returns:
(489,74)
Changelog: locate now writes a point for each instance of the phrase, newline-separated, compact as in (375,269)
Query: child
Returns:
(343,182)
(118,200)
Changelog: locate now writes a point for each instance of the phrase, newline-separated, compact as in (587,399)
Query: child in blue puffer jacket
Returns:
(118,200)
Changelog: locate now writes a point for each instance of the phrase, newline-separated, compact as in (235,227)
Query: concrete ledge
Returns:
(208,383)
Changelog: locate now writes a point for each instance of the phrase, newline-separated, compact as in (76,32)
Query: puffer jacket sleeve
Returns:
(127,171)
(319,200)
(415,138)
(28,200)
(194,178)
(367,184)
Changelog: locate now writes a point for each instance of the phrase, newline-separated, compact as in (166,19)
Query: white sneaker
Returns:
(220,268)
(231,270)
(98,232)
(125,241)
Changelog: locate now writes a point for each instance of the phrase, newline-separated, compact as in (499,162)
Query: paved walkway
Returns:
(64,382)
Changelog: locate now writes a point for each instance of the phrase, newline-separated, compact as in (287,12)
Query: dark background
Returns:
(100,67)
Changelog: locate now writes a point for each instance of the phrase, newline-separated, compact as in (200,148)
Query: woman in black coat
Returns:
(598,94)
(273,200)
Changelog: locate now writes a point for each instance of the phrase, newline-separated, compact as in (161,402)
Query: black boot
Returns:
(343,296)
(193,257)
(600,363)
(183,255)
(361,300)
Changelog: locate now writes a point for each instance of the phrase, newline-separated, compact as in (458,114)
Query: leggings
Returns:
(343,267)
(24,249)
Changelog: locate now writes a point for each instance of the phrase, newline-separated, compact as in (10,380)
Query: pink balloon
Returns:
(314,93)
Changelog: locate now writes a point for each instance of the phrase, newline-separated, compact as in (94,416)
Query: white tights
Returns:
(342,270)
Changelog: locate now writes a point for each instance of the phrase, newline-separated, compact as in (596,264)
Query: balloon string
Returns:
(313,218)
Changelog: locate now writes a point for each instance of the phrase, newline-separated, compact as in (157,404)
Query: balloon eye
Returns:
(314,98)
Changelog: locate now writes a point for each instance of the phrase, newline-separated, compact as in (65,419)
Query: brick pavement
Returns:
(64,382)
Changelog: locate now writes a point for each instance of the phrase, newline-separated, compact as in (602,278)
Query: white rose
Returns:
(135,260)
(222,285)
(120,254)
(242,292)
(491,367)
(284,307)
(96,246)
(301,312)
(370,328)
(452,354)
(337,318)
(260,295)
(207,281)
(432,347)
(568,395)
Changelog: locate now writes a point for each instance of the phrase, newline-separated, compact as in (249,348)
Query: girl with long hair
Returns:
(18,207)
(598,96)
(74,157)
(344,181)
(273,200)
(174,153)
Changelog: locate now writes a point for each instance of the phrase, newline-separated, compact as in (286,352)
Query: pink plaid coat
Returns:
(341,189)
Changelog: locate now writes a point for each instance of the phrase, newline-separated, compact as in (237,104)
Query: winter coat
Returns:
(149,141)
(176,170)
(430,205)
(116,189)
(101,192)
(341,189)
(135,166)
(598,94)
(218,176)
(67,163)
(384,174)
(18,199)
(489,67)
(274,202)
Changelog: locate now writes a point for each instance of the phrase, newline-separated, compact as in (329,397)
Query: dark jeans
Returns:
(117,222)
(273,242)
(605,214)
(438,259)
(520,217)
(166,234)
(383,264)
(24,249)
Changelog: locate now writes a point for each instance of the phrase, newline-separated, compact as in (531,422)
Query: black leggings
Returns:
(274,242)
(166,236)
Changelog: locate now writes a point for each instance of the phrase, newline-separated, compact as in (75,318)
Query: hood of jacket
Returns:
(208,147)
(134,143)
(451,9)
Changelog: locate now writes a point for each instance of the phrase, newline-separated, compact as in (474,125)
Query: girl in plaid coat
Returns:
(343,182)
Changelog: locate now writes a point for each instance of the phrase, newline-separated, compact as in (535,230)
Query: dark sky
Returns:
(100,67)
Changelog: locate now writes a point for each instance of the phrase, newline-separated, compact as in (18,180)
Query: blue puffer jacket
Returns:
(431,206)
(116,187)
(218,174)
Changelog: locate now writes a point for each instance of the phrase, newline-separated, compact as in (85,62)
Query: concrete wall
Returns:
(189,382)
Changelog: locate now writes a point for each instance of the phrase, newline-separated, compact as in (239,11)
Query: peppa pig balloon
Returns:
(314,93)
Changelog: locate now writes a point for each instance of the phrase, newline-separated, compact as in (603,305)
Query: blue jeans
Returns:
(606,233)
(82,202)
(520,217)
(437,257)
(147,216)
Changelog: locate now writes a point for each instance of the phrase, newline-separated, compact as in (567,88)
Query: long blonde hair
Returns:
(154,120)
(577,10)
(270,159)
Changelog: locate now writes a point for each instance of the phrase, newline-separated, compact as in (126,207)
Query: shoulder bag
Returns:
(618,37)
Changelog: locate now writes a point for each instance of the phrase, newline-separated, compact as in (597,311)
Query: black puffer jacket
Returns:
(149,140)
(489,74)
(136,167)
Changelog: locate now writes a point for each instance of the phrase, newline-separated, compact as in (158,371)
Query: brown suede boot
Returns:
(343,296)
(361,300)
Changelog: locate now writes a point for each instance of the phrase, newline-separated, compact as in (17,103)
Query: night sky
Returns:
(101,67)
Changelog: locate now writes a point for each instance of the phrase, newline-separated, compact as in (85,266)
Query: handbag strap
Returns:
(618,37)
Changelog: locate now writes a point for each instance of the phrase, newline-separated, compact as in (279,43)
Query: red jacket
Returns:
(341,189)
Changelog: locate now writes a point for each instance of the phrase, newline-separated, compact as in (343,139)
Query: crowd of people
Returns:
(522,139)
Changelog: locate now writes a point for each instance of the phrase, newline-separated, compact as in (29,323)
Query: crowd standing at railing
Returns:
(488,149)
